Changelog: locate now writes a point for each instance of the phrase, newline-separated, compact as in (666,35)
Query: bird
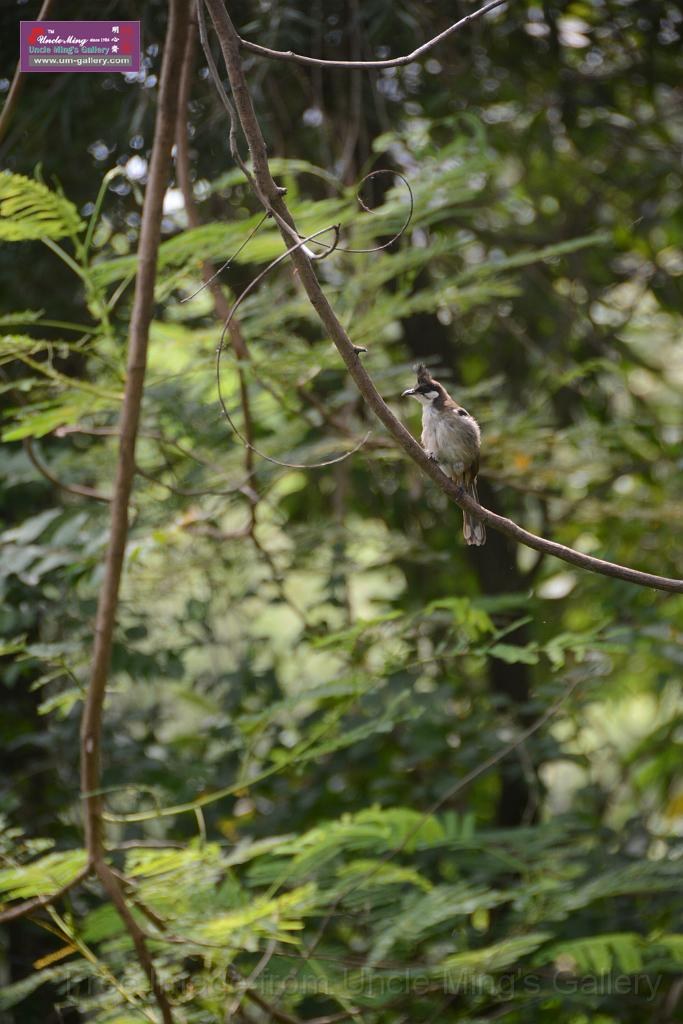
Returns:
(452,438)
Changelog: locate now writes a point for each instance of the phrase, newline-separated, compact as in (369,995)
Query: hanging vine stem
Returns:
(329,249)
(302,243)
(221,345)
(216,79)
(227,263)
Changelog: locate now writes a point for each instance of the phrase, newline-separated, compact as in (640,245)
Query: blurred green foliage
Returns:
(296,709)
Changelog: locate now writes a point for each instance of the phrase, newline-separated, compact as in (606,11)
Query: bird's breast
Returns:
(453,439)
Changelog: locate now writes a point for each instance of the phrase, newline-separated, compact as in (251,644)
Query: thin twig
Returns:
(216,79)
(112,886)
(209,272)
(234,149)
(335,422)
(28,906)
(354,117)
(393,62)
(79,428)
(144,908)
(231,259)
(248,983)
(276,576)
(230,46)
(79,489)
(18,82)
(273,1011)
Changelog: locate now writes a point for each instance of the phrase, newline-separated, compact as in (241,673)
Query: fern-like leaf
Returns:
(29,209)
(599,954)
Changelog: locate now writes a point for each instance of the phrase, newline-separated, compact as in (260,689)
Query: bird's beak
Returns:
(408,391)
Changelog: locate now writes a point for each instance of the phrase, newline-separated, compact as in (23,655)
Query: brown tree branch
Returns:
(18,82)
(393,62)
(230,46)
(113,888)
(28,906)
(160,166)
(91,724)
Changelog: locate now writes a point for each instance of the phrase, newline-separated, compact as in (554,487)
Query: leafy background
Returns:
(294,711)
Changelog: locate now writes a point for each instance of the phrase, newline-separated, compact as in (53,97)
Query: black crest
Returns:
(423,374)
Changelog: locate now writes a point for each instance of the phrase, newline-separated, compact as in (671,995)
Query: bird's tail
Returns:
(473,529)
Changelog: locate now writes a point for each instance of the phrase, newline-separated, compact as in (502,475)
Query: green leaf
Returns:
(464,612)
(31,528)
(30,210)
(421,914)
(383,873)
(62,702)
(12,994)
(492,958)
(261,914)
(14,646)
(513,654)
(43,876)
(147,863)
(599,953)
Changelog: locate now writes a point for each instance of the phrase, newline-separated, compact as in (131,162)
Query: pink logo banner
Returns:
(79,46)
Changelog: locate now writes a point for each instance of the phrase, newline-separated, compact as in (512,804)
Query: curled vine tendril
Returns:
(329,249)
(221,345)
(402,230)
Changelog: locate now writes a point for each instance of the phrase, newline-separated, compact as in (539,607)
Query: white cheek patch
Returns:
(426,397)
